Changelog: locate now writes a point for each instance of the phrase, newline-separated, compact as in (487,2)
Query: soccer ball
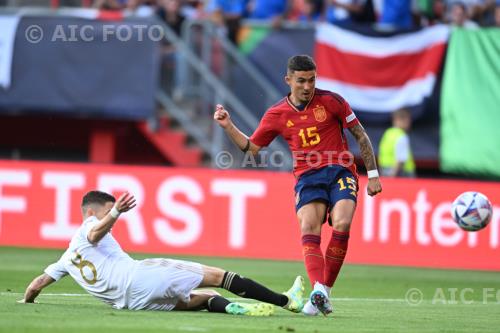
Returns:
(471,211)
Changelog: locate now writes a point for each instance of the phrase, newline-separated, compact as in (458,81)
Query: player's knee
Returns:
(342,224)
(213,276)
(310,227)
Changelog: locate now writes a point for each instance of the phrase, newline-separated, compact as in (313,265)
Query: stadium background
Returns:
(107,109)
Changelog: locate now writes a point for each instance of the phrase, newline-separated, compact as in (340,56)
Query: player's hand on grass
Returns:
(125,202)
(221,116)
(374,186)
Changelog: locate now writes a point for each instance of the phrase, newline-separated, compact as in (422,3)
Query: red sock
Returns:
(313,258)
(334,256)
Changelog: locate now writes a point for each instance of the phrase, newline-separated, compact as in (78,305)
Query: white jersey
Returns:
(103,269)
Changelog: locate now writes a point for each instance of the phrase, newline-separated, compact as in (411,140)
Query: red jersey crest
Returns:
(319,113)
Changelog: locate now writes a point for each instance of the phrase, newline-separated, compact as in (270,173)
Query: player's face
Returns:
(302,85)
(103,210)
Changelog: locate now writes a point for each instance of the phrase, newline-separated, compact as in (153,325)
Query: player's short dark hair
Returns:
(97,197)
(301,63)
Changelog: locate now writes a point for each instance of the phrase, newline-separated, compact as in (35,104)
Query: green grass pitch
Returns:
(366,299)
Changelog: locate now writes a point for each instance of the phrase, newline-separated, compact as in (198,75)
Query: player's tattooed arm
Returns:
(366,149)
(365,146)
(36,287)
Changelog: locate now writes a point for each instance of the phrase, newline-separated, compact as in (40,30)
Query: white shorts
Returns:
(158,284)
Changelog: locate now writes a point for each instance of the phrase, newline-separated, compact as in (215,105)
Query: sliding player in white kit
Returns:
(97,263)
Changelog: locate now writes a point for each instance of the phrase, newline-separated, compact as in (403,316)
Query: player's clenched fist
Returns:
(221,116)
(374,186)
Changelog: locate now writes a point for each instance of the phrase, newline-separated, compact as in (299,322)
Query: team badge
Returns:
(319,113)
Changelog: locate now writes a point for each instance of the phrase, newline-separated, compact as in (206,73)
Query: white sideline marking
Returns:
(342,299)
(192,329)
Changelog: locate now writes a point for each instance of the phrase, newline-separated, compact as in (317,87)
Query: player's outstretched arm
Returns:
(35,287)
(366,149)
(124,203)
(221,116)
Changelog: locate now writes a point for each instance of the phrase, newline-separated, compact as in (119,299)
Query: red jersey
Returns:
(315,135)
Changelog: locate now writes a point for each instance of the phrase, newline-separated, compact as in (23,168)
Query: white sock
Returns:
(320,287)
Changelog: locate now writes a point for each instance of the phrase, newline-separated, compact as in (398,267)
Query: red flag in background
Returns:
(380,74)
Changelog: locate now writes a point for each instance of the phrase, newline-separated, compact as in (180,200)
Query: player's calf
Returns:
(248,288)
(199,300)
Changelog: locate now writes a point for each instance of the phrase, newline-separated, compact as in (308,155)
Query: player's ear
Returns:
(89,211)
(287,79)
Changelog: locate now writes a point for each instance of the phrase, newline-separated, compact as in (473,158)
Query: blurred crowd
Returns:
(387,14)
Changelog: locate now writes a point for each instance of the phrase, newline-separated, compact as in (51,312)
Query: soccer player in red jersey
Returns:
(312,121)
